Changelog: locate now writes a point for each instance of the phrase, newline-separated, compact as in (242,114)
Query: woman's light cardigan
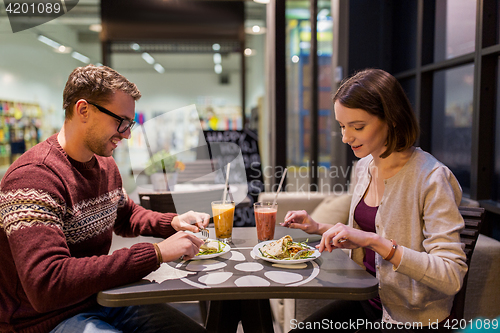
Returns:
(419,210)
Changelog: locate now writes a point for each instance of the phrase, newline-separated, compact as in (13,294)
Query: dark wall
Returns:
(382,34)
(370,35)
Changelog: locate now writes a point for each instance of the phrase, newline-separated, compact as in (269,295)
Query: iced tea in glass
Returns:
(223,220)
(265,220)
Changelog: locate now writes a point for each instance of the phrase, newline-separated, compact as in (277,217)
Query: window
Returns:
(299,121)
(452,120)
(455,28)
(409,88)
(496,178)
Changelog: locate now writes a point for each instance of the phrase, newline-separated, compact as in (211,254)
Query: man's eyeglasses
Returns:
(124,124)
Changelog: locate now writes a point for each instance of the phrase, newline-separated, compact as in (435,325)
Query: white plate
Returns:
(213,255)
(257,253)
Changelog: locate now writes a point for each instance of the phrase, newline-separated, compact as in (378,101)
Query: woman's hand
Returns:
(191,221)
(299,219)
(344,237)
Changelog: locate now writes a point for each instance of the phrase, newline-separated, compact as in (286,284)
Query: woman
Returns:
(404,223)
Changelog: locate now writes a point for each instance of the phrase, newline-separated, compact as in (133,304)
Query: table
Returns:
(239,286)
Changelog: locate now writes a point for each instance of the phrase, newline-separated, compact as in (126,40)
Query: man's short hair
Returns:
(96,84)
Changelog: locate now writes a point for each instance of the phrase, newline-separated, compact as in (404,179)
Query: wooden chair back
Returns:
(473,219)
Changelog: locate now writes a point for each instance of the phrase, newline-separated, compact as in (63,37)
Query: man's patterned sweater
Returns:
(57,217)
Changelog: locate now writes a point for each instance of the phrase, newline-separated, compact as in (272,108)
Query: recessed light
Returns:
(217,58)
(80,57)
(48,41)
(218,68)
(95,27)
(249,52)
(148,58)
(255,30)
(159,68)
(63,49)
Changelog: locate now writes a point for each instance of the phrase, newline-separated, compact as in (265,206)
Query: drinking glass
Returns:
(265,220)
(223,220)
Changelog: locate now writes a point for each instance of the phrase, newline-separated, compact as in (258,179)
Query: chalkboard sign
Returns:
(244,143)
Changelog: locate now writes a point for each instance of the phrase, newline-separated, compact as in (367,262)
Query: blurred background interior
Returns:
(247,64)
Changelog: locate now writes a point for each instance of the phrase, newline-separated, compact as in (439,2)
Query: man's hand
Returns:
(191,221)
(178,245)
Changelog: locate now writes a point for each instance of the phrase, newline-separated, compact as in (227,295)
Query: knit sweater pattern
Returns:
(57,218)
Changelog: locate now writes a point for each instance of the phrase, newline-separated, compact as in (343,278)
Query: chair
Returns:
(473,219)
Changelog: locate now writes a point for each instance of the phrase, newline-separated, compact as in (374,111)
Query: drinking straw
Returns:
(227,182)
(279,188)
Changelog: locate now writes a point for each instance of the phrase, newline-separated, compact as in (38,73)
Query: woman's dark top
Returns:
(365,217)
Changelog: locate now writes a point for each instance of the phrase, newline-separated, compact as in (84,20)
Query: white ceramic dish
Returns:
(225,249)
(257,253)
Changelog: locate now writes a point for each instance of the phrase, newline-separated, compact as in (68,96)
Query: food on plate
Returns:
(211,247)
(286,249)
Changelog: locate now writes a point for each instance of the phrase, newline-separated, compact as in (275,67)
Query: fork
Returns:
(204,232)
(297,255)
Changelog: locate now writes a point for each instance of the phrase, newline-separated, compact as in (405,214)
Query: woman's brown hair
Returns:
(96,84)
(380,94)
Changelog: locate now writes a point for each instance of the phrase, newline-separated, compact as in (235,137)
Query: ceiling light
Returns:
(148,58)
(255,30)
(159,68)
(63,49)
(80,57)
(295,59)
(261,1)
(135,46)
(218,68)
(48,41)
(8,78)
(216,47)
(95,27)
(217,58)
(249,52)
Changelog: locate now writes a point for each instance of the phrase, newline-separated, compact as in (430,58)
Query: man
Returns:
(59,205)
